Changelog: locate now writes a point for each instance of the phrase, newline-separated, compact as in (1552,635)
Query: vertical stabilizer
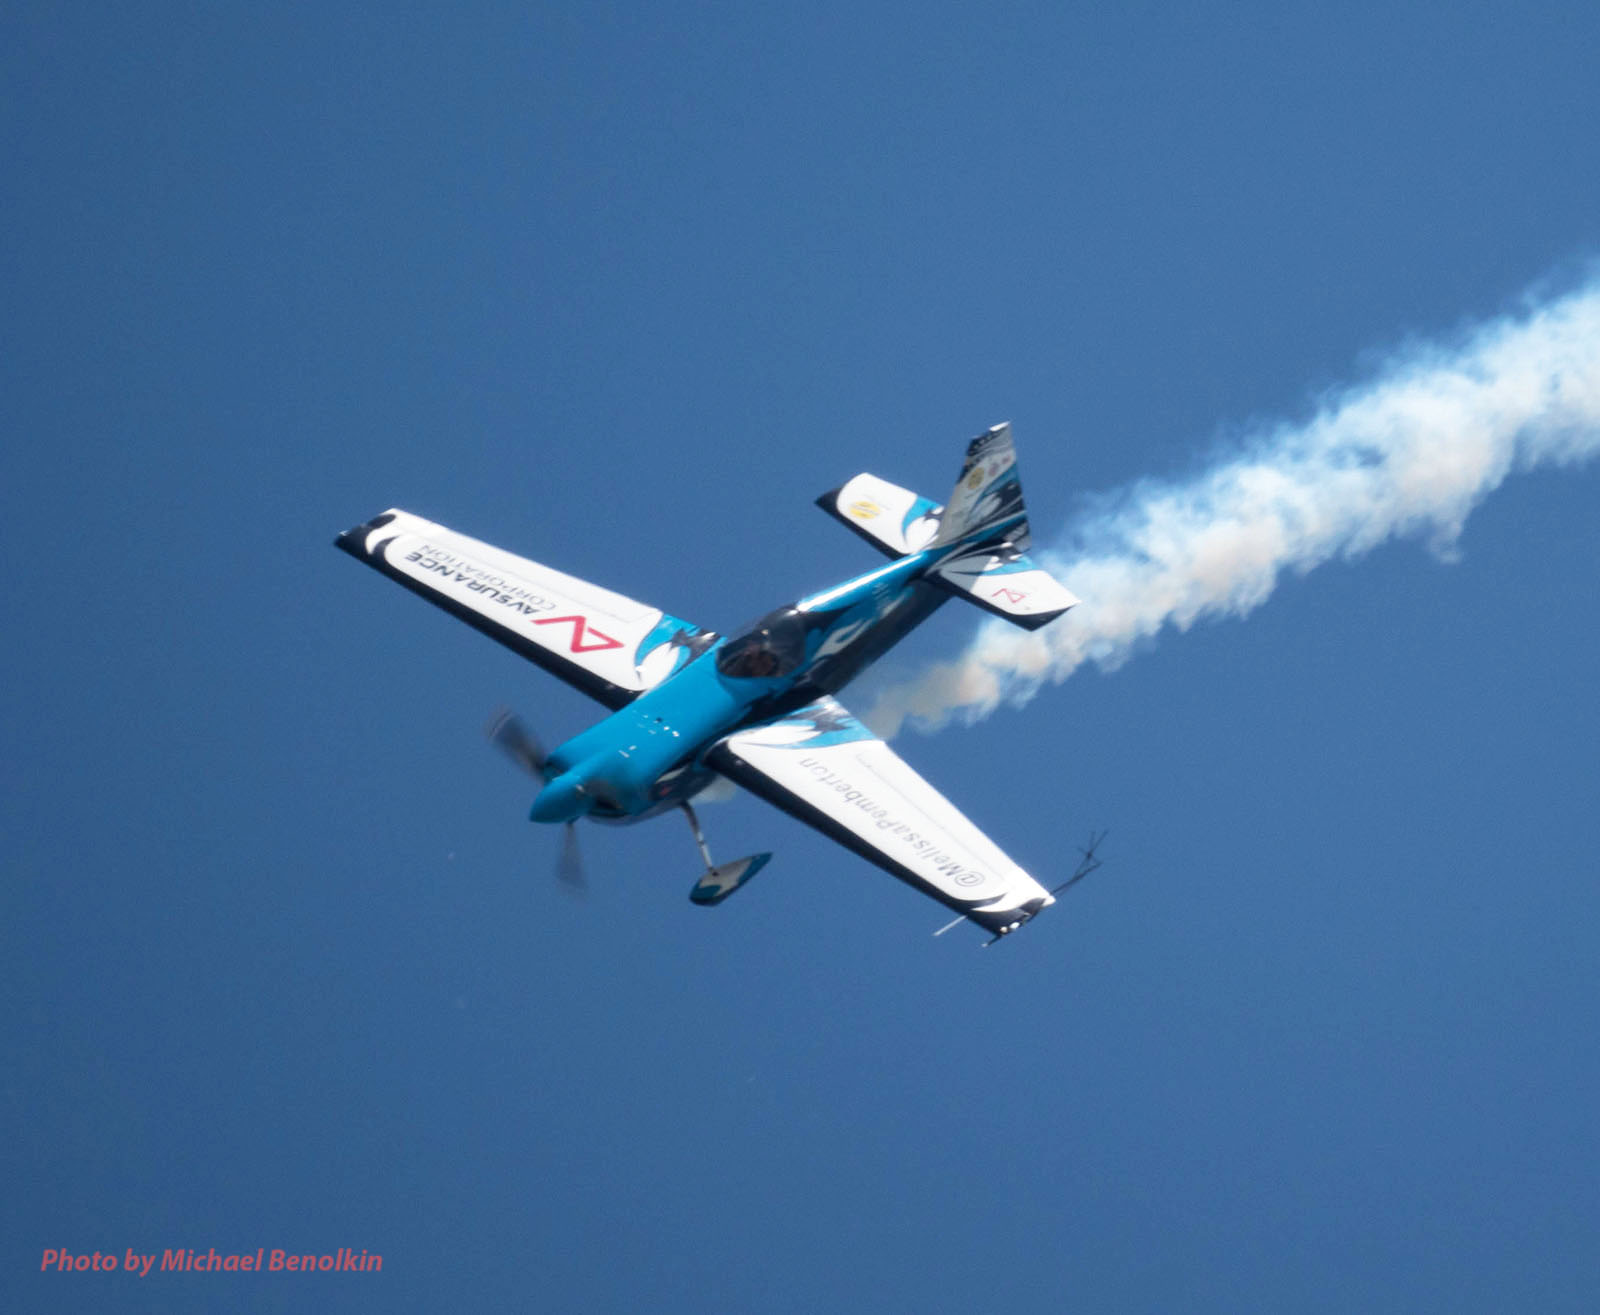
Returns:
(986,528)
(987,502)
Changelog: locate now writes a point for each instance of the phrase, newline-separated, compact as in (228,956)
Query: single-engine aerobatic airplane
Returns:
(689,705)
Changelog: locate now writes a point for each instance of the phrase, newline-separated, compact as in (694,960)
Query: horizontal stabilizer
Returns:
(1008,583)
(894,520)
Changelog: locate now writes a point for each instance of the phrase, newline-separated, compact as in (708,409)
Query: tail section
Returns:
(978,541)
(986,527)
(987,502)
(894,520)
(1007,582)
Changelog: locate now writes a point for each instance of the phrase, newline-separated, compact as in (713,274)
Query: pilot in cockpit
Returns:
(774,646)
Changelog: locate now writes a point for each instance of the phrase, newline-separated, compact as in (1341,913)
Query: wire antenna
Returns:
(1088,865)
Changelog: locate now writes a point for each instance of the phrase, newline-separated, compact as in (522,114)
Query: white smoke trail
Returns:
(1409,453)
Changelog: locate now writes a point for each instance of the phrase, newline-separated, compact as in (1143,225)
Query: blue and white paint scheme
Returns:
(690,706)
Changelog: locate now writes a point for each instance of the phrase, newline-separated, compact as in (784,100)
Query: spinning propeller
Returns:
(522,746)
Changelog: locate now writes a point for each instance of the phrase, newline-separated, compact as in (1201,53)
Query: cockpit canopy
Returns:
(773,646)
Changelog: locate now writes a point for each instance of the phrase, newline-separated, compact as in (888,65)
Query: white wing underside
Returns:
(824,767)
(601,642)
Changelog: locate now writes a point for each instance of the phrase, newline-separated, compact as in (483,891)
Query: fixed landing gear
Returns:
(720,882)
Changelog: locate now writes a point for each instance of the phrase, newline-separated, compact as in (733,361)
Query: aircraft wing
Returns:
(604,644)
(824,767)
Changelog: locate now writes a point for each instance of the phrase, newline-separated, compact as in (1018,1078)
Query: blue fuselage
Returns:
(648,755)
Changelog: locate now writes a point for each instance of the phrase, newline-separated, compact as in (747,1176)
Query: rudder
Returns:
(986,524)
(987,501)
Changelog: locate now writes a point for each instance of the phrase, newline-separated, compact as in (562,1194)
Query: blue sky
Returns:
(623,288)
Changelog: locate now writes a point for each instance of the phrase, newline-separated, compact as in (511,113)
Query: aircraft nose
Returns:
(560,801)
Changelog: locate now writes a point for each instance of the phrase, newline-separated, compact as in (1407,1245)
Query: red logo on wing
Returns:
(580,630)
(1012,596)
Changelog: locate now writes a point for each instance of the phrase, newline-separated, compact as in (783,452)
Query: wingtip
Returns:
(354,540)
